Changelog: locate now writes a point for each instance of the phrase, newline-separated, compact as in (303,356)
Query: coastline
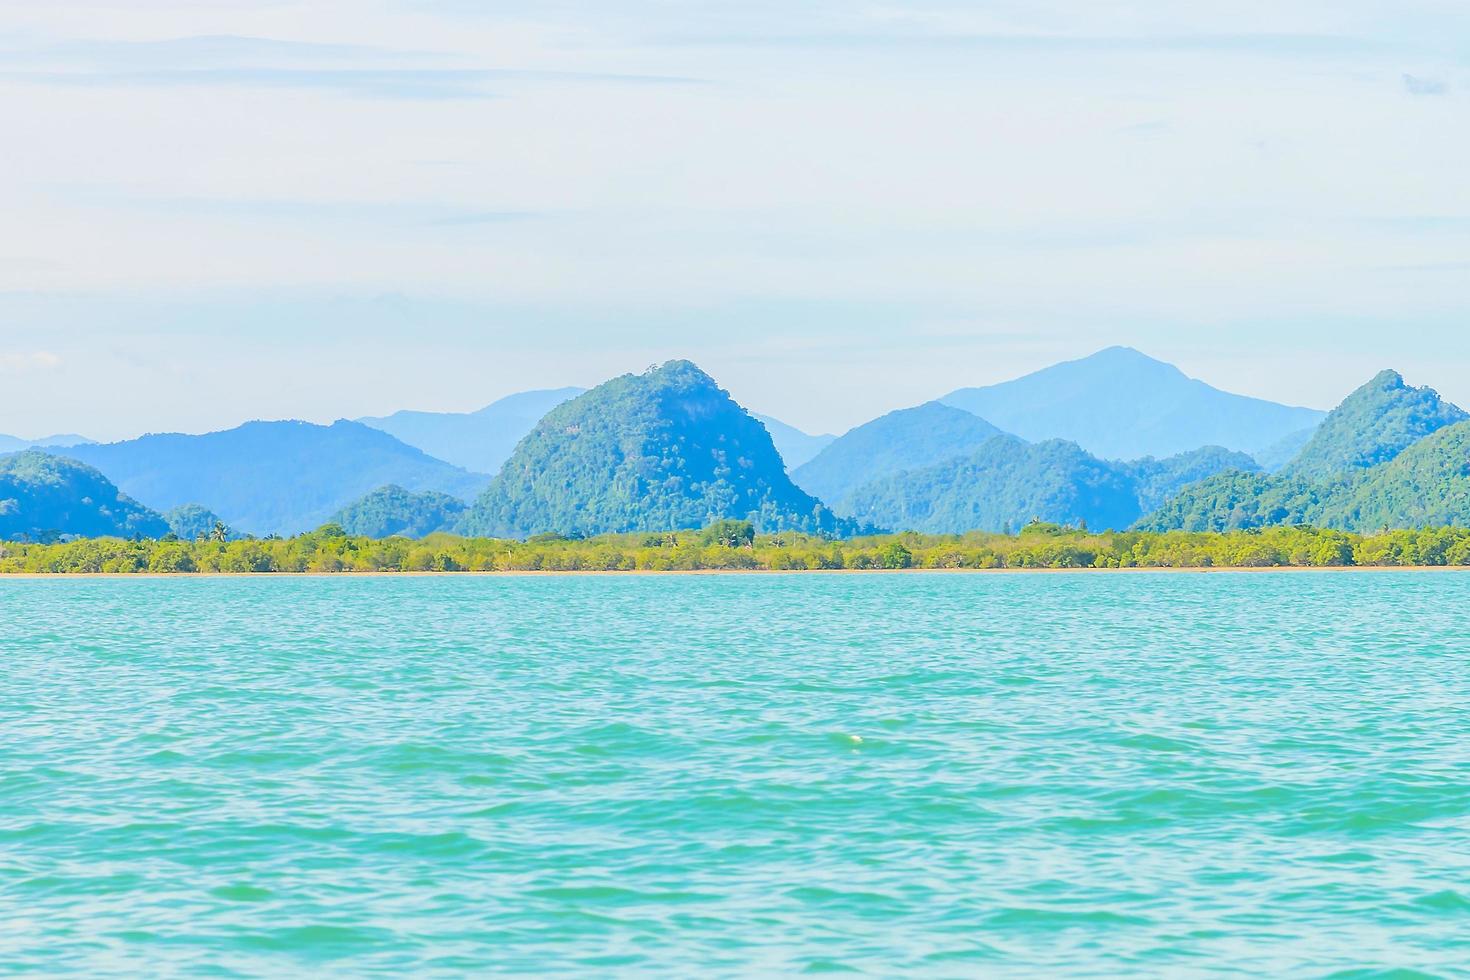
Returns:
(656,573)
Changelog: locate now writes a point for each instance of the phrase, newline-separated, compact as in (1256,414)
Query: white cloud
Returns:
(15,362)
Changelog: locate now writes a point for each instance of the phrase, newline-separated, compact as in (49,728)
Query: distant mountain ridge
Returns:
(794,445)
(664,450)
(14,444)
(272,477)
(1121,404)
(906,439)
(479,441)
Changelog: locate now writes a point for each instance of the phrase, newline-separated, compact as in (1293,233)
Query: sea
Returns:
(902,774)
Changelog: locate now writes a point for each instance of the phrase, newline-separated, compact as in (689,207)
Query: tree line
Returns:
(734,545)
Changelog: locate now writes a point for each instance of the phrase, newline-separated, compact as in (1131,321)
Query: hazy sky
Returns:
(213,211)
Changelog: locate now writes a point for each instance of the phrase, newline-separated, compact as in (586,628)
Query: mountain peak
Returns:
(1120,403)
(1375,423)
(667,449)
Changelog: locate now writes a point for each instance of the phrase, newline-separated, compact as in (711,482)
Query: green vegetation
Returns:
(1007,483)
(1372,426)
(192,521)
(911,438)
(1426,485)
(392,510)
(665,449)
(43,497)
(734,545)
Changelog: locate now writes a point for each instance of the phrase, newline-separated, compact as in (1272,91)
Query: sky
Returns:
(213,211)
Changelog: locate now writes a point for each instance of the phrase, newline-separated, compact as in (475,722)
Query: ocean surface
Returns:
(932,774)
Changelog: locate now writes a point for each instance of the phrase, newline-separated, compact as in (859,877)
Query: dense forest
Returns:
(667,448)
(735,545)
(39,492)
(1008,482)
(1388,456)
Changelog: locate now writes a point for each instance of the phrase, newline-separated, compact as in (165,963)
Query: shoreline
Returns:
(649,572)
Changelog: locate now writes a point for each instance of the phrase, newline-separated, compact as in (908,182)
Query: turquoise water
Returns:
(915,773)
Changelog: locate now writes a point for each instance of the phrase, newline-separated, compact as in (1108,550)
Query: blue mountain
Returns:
(907,439)
(272,477)
(480,441)
(13,444)
(794,445)
(1121,404)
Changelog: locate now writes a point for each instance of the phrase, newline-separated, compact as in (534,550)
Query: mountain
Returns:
(910,438)
(1159,479)
(191,521)
(1388,456)
(478,441)
(1426,485)
(663,450)
(795,446)
(1008,483)
(11,444)
(1275,456)
(272,477)
(1236,501)
(1372,425)
(391,510)
(1121,404)
(43,495)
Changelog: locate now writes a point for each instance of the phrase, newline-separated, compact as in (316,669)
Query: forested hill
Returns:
(907,439)
(1426,485)
(43,495)
(1372,425)
(666,449)
(272,477)
(1122,404)
(393,510)
(1389,456)
(1008,483)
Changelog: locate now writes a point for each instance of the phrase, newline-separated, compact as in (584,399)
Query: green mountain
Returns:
(1009,483)
(1157,480)
(273,477)
(391,510)
(478,441)
(794,445)
(910,438)
(667,449)
(1426,485)
(1121,404)
(42,496)
(191,521)
(1388,456)
(1371,426)
(1236,501)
